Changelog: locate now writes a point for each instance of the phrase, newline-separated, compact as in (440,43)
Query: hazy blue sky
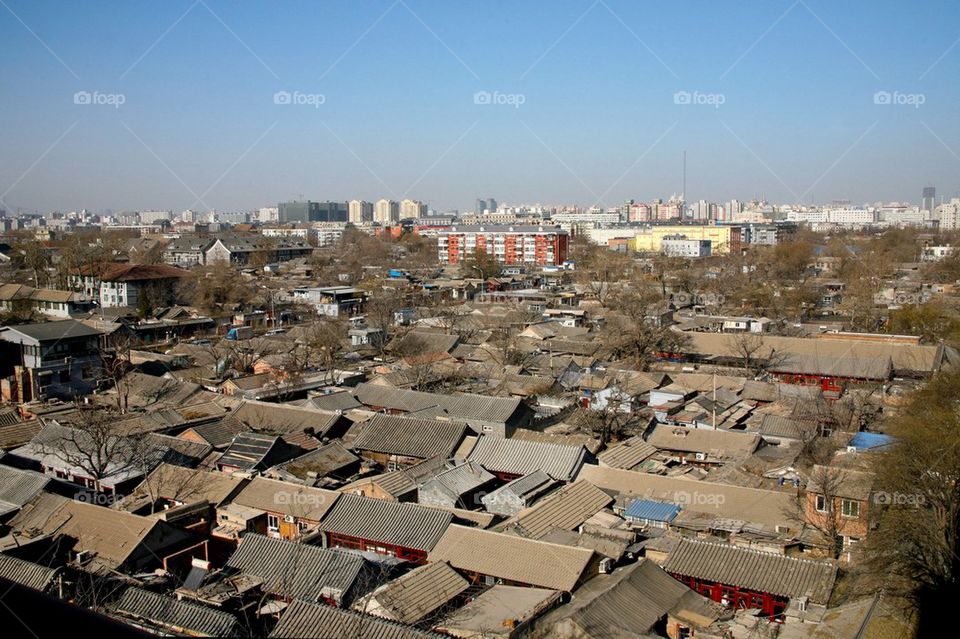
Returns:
(598,82)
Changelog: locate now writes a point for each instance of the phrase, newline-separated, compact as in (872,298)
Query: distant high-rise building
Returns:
(360,211)
(492,205)
(386,211)
(479,206)
(929,198)
(412,209)
(294,212)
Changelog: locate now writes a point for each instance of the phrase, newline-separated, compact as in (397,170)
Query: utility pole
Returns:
(713,405)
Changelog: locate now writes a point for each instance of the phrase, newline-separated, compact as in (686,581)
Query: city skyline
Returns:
(206,105)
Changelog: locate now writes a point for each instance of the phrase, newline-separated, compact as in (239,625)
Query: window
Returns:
(302,526)
(850,508)
(273,523)
(822,506)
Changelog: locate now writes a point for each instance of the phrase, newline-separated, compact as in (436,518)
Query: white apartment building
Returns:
(386,211)
(681,246)
(359,211)
(948,215)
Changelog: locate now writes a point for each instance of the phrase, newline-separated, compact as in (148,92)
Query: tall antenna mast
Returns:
(684,191)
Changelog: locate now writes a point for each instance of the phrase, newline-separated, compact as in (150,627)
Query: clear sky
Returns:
(236,105)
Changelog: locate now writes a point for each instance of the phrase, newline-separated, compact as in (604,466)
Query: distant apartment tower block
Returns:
(386,211)
(412,209)
(535,245)
(360,211)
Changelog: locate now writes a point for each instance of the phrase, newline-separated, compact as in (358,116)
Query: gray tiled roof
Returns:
(418,593)
(399,524)
(302,620)
(26,573)
(296,570)
(752,569)
(462,406)
(167,612)
(422,438)
(520,457)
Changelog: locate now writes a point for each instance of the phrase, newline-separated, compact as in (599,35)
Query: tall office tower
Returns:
(479,206)
(386,211)
(360,211)
(492,205)
(929,199)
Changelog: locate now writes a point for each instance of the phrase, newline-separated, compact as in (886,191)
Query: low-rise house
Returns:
(701,447)
(161,614)
(838,502)
(168,486)
(628,454)
(302,620)
(509,459)
(136,285)
(636,601)
(53,359)
(518,494)
(741,578)
(490,415)
(253,452)
(398,442)
(487,557)
(406,531)
(566,509)
(241,248)
(94,537)
(187,251)
(289,570)
(330,463)
(397,485)
(17,487)
(723,508)
(286,510)
(501,612)
(27,573)
(654,514)
(460,486)
(414,596)
(17,298)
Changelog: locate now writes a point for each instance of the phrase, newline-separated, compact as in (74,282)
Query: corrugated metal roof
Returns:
(651,510)
(26,573)
(520,457)
(524,561)
(297,570)
(399,524)
(180,616)
(566,508)
(752,569)
(422,438)
(416,594)
(302,620)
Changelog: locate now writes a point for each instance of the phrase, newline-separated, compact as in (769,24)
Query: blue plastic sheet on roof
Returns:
(652,510)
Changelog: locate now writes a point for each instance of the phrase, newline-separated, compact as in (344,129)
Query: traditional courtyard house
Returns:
(489,558)
(406,531)
(460,486)
(253,452)
(398,442)
(509,459)
(741,578)
(288,510)
(566,509)
(516,495)
(163,614)
(414,596)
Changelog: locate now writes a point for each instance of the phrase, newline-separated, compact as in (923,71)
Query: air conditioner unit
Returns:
(289,519)
(606,565)
(701,456)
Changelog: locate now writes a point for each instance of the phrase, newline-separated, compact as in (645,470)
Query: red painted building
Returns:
(535,245)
